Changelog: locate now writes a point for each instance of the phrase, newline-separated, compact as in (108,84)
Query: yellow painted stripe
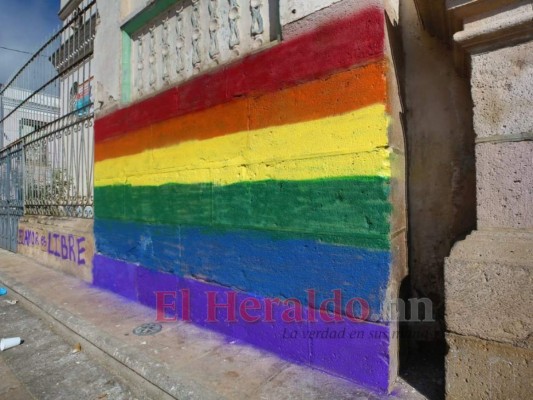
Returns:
(353,144)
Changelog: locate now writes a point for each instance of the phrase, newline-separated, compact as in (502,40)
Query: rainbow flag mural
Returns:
(269,177)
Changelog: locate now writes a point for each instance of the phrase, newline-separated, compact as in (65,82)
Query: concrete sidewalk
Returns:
(11,387)
(45,365)
(182,361)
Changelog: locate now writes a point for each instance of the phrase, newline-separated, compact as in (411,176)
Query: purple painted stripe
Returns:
(361,354)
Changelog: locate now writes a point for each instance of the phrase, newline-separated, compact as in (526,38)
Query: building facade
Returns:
(277,170)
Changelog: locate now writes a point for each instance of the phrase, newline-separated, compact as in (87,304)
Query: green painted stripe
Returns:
(126,68)
(146,15)
(352,211)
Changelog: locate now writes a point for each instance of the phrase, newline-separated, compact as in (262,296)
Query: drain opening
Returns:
(148,329)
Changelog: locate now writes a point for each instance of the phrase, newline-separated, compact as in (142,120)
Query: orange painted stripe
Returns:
(337,94)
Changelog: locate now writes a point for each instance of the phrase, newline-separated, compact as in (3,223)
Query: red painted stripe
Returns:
(357,39)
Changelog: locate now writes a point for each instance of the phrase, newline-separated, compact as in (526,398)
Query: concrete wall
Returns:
(265,176)
(441,166)
(108,46)
(63,244)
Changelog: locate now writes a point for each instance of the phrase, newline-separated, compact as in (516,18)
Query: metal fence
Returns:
(11,194)
(46,129)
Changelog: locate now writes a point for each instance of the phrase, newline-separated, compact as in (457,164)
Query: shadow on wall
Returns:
(422,349)
(437,121)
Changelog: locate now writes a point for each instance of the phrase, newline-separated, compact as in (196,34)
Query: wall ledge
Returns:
(495,33)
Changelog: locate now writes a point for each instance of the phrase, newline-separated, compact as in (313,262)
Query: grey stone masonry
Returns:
(488,276)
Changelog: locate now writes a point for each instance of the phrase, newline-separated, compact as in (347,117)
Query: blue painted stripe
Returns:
(251,261)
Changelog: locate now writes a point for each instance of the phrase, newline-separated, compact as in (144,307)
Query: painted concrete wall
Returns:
(63,244)
(270,176)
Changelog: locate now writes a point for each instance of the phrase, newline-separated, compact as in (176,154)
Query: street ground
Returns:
(56,311)
(45,366)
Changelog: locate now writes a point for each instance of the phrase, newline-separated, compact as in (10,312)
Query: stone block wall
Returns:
(489,274)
